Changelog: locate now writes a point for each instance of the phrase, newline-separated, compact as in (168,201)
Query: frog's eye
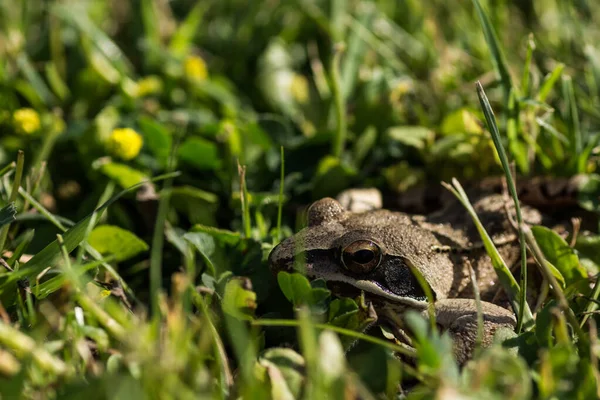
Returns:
(361,256)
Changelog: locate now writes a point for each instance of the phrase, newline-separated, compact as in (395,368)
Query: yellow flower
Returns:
(124,143)
(26,121)
(402,88)
(148,85)
(299,88)
(195,68)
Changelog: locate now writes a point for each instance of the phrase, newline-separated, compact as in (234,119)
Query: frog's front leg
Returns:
(459,318)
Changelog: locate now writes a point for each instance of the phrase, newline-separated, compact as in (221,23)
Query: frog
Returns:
(377,253)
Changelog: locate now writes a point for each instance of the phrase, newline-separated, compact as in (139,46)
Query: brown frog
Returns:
(375,251)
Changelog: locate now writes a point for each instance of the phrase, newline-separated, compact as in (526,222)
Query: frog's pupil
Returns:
(363,256)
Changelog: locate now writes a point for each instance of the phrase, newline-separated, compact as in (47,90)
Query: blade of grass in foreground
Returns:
(507,280)
(493,127)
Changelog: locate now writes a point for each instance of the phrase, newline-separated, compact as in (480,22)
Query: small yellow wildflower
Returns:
(26,121)
(195,68)
(402,88)
(148,85)
(299,88)
(124,143)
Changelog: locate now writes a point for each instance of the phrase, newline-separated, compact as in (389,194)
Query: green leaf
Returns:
(205,244)
(297,289)
(156,138)
(343,312)
(364,144)
(413,136)
(588,247)
(200,206)
(588,193)
(54,284)
(558,252)
(238,301)
(290,365)
(124,175)
(332,176)
(122,244)
(463,120)
(401,177)
(7,214)
(200,153)
(223,235)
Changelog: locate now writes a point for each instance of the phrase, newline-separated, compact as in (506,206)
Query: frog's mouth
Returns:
(392,281)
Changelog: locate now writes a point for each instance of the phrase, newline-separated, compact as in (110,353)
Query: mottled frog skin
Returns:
(377,251)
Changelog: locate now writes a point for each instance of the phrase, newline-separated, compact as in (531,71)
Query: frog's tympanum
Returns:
(375,252)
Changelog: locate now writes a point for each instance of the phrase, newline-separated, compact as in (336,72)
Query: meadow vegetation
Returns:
(153,152)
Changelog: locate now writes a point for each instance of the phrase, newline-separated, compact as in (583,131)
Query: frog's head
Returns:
(371,251)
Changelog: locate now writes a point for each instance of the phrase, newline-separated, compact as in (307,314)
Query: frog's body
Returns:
(377,252)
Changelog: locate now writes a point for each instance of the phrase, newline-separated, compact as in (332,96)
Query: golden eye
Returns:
(361,256)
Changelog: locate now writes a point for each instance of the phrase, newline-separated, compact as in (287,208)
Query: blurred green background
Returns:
(102,95)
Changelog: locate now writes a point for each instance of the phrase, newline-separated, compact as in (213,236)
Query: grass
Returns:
(247,113)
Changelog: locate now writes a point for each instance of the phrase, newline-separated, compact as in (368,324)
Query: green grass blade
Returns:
(549,82)
(14,339)
(183,38)
(13,194)
(493,127)
(498,59)
(7,214)
(150,18)
(77,16)
(505,277)
(281,198)
(8,168)
(339,12)
(592,302)
(339,109)
(56,82)
(356,48)
(526,79)
(36,81)
(572,117)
